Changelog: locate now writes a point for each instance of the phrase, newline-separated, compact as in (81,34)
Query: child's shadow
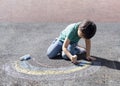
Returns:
(108,63)
(104,62)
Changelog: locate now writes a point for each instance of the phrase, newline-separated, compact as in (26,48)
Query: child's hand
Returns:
(74,59)
(91,58)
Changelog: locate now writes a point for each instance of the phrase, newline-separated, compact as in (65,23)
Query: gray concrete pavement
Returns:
(17,39)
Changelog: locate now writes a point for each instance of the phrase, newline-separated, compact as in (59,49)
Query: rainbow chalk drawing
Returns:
(36,70)
(23,69)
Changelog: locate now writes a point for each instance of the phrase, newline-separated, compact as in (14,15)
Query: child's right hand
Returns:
(74,59)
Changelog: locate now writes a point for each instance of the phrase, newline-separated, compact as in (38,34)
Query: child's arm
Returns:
(73,58)
(88,48)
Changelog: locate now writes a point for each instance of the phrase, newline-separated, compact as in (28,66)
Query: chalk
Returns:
(82,63)
(25,57)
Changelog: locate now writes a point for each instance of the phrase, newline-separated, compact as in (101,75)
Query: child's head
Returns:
(87,28)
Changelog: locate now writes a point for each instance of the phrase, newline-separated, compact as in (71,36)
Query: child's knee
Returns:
(82,51)
(50,56)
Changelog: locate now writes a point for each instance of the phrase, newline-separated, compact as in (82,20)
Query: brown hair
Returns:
(88,28)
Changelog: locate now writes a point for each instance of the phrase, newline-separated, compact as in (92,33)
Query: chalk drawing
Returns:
(23,69)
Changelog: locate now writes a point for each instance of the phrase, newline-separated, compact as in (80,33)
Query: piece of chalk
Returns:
(25,57)
(82,63)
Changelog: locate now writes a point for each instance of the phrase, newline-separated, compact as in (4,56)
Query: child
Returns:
(67,43)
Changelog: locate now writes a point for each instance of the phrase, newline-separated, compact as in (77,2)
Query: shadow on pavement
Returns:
(104,62)
(108,63)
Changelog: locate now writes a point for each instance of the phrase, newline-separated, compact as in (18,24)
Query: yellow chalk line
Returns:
(47,72)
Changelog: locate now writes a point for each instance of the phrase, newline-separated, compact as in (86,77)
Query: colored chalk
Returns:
(25,57)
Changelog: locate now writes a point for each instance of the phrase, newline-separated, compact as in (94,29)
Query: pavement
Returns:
(30,26)
(18,39)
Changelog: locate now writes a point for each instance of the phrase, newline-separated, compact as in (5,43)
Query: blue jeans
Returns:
(55,49)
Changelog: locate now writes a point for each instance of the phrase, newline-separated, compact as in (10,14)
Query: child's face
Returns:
(80,34)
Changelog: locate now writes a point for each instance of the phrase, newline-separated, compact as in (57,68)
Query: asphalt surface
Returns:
(18,39)
(29,27)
